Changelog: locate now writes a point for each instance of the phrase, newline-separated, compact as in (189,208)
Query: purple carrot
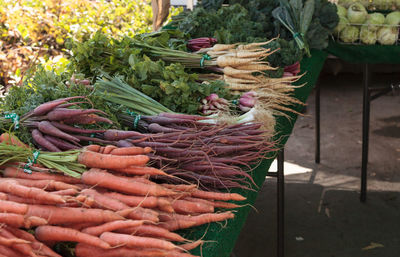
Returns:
(228,149)
(157,128)
(115,135)
(165,120)
(124,143)
(47,128)
(95,139)
(65,113)
(69,104)
(87,119)
(182,116)
(47,107)
(43,142)
(72,129)
(63,145)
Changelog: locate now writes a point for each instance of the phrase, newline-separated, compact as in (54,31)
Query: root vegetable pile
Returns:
(114,209)
(213,156)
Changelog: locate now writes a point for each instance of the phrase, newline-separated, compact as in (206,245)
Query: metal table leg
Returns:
(317,122)
(281,203)
(365,133)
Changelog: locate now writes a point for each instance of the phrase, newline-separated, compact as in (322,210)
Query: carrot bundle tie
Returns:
(27,166)
(14,117)
(136,118)
(203,58)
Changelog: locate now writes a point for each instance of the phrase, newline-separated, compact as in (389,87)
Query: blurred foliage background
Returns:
(37,31)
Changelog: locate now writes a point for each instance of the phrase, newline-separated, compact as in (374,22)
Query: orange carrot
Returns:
(152,231)
(173,225)
(103,201)
(34,193)
(146,202)
(10,139)
(62,215)
(141,170)
(54,233)
(13,172)
(93,148)
(116,239)
(108,161)
(178,254)
(12,207)
(191,246)
(112,226)
(8,252)
(17,199)
(217,196)
(65,192)
(184,188)
(216,204)
(121,184)
(133,150)
(18,220)
(36,245)
(25,249)
(11,241)
(188,207)
(80,226)
(84,250)
(109,148)
(45,184)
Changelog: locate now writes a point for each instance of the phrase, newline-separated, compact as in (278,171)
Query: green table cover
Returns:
(223,236)
(372,54)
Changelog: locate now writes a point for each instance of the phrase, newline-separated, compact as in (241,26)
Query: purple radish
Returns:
(47,107)
(43,142)
(63,145)
(72,129)
(47,128)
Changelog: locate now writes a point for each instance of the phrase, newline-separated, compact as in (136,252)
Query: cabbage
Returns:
(357,14)
(347,3)
(341,11)
(393,18)
(383,4)
(343,22)
(375,19)
(387,36)
(350,34)
(367,36)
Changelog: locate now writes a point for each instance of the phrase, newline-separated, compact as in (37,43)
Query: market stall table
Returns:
(222,237)
(367,55)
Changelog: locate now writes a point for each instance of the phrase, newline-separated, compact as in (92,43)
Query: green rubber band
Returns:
(205,57)
(15,119)
(27,167)
(136,118)
(235,102)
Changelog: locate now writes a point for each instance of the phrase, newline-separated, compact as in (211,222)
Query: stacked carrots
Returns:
(114,209)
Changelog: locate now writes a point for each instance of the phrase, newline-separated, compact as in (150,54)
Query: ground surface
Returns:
(324,217)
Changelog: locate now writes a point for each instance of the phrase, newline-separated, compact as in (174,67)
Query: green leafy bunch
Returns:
(169,84)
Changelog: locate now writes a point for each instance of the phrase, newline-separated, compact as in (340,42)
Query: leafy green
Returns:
(169,84)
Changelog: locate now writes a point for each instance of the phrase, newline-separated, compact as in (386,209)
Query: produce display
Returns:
(356,25)
(382,5)
(143,138)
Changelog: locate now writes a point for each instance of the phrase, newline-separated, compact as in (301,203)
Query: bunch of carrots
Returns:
(52,124)
(215,156)
(114,209)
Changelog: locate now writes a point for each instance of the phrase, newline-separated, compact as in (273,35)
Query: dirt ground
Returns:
(323,215)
